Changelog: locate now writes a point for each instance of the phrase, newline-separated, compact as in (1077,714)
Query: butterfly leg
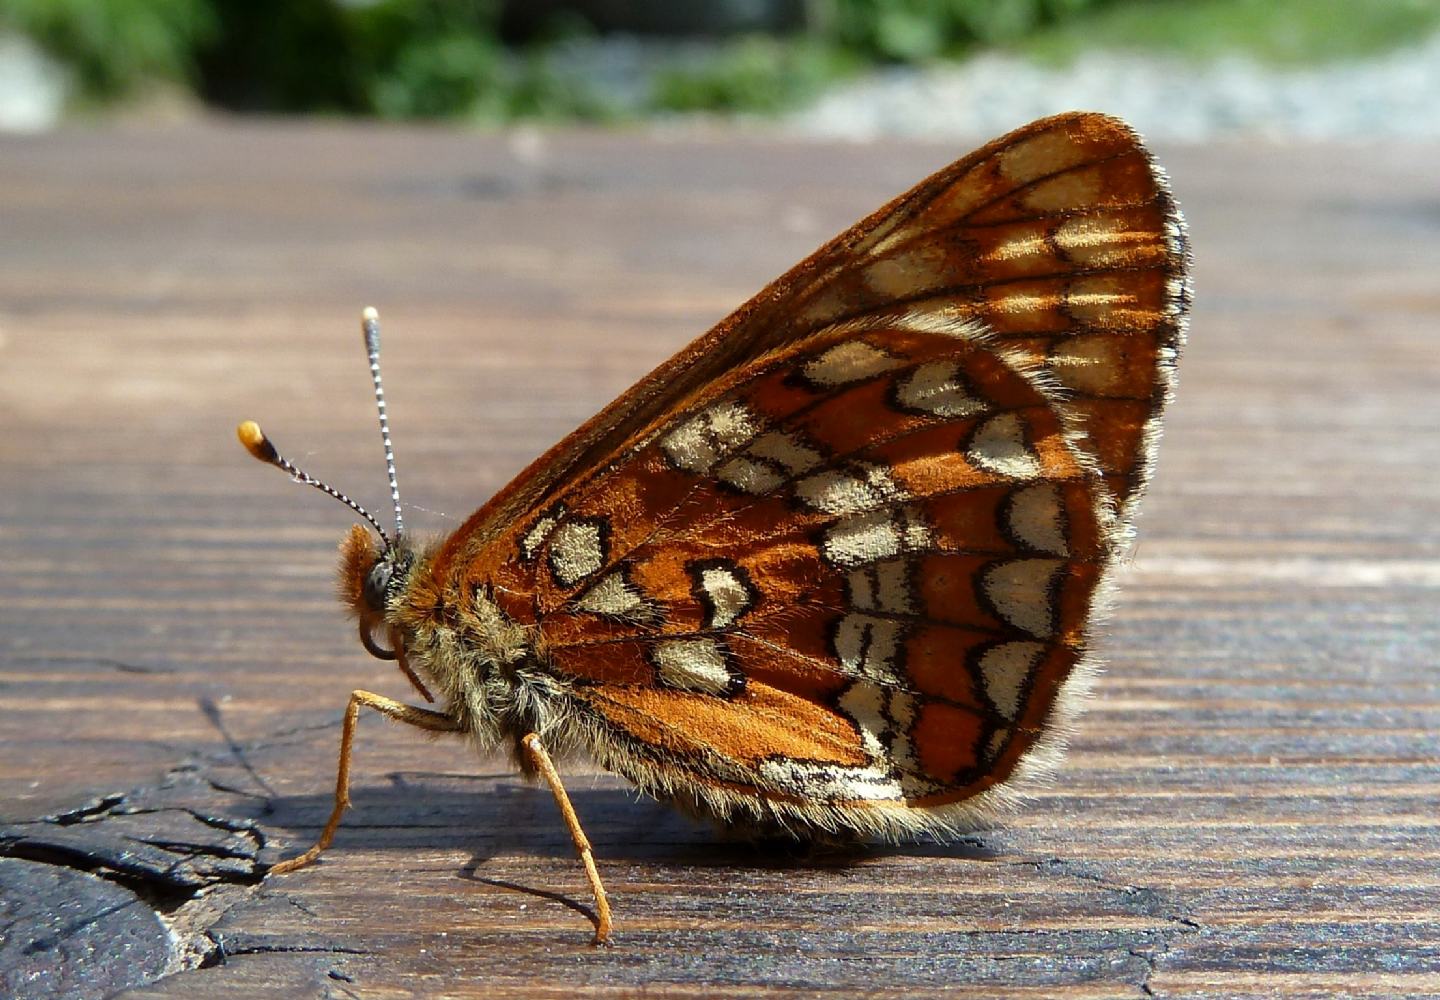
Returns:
(535,751)
(421,718)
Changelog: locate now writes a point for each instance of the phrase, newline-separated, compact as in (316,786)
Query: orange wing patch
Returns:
(857,575)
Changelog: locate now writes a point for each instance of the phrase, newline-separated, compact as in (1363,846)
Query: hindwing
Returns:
(844,589)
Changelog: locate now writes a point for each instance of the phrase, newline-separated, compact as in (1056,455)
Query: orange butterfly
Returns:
(832,569)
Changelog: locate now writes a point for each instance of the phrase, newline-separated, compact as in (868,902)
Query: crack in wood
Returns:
(1156,902)
(165,852)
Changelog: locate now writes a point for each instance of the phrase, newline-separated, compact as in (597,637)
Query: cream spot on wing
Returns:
(903,709)
(914,532)
(851,361)
(906,274)
(868,646)
(577,549)
(538,533)
(731,424)
(1075,189)
(829,782)
(749,476)
(1094,363)
(613,595)
(827,304)
(1103,241)
(787,451)
(896,596)
(936,387)
(1025,310)
(1023,243)
(688,446)
(883,587)
(1025,250)
(1005,669)
(693,665)
(859,540)
(850,491)
(998,445)
(860,590)
(880,534)
(703,440)
(940,316)
(866,704)
(1021,591)
(1102,300)
(1042,154)
(727,594)
(1034,516)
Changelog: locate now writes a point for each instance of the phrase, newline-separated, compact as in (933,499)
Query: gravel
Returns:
(32,86)
(1395,96)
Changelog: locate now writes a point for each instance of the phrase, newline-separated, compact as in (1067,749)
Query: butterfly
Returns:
(833,570)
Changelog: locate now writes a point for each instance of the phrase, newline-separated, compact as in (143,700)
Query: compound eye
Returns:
(377,583)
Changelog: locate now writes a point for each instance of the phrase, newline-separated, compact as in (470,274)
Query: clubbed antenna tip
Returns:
(260,446)
(256,443)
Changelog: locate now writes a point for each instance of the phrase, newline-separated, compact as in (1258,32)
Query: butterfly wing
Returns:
(1061,237)
(842,590)
(834,565)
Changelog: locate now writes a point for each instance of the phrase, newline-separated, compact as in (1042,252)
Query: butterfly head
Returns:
(371,576)
(373,567)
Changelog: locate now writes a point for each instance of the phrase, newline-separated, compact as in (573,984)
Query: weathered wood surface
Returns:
(1250,807)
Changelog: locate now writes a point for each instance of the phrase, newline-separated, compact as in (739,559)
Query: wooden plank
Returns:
(1248,808)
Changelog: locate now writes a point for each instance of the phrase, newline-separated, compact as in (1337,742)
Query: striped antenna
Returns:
(257,444)
(370,324)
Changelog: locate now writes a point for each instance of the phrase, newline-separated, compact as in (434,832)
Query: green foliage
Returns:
(916,30)
(1281,32)
(766,74)
(281,55)
(759,73)
(446,58)
(534,90)
(393,58)
(115,46)
(429,59)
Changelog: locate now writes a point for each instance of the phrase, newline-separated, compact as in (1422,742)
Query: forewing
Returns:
(1061,238)
(1064,242)
(845,587)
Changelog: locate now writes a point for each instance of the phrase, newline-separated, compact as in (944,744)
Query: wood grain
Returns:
(1249,808)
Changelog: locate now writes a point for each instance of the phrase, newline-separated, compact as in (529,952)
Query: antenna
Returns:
(370,325)
(257,444)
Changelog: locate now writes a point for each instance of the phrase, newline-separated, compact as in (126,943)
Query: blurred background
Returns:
(1181,69)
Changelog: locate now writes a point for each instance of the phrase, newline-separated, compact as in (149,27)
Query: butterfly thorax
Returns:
(482,666)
